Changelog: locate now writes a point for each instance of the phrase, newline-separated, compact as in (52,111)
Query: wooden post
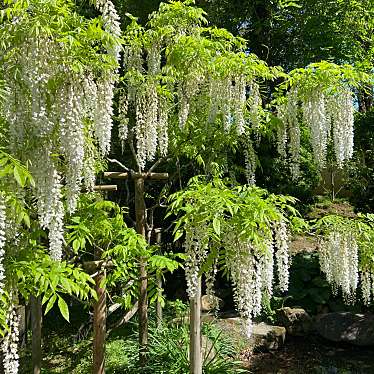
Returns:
(36,323)
(99,325)
(143,299)
(196,365)
(159,285)
(140,213)
(99,308)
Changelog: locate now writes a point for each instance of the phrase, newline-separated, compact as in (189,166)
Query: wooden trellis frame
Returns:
(140,213)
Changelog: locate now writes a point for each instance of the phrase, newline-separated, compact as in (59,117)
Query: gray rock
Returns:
(357,329)
(264,337)
(268,337)
(210,303)
(296,321)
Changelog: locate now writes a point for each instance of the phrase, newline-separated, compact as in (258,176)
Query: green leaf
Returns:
(19,176)
(50,304)
(63,308)
(178,235)
(217,226)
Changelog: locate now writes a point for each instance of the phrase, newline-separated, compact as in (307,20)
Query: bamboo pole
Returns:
(196,365)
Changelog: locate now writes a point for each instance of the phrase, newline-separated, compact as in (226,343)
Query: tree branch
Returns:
(158,162)
(114,161)
(131,138)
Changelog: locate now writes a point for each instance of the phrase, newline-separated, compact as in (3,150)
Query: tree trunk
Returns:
(36,324)
(158,304)
(365,100)
(143,302)
(159,285)
(196,365)
(99,325)
(22,328)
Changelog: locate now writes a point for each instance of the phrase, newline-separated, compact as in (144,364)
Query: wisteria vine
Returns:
(345,255)
(56,107)
(168,85)
(217,240)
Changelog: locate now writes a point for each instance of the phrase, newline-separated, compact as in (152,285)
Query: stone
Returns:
(296,321)
(264,337)
(210,303)
(268,337)
(356,329)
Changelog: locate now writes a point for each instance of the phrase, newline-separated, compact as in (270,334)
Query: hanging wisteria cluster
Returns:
(111,23)
(246,235)
(153,112)
(281,238)
(339,261)
(10,342)
(251,269)
(196,246)
(367,286)
(250,162)
(3,221)
(55,112)
(288,135)
(255,274)
(168,84)
(328,115)
(346,254)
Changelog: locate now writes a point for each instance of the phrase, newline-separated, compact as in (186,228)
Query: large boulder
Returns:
(264,337)
(210,303)
(268,337)
(296,321)
(357,329)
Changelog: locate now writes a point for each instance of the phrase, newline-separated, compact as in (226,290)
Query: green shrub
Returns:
(168,353)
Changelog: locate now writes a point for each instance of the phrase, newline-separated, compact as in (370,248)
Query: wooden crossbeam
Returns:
(116,175)
(135,175)
(105,187)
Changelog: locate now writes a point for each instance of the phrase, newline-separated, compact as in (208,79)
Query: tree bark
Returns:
(36,325)
(158,304)
(196,364)
(159,285)
(99,325)
(143,299)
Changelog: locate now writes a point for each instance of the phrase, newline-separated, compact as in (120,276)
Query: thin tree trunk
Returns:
(99,325)
(196,365)
(36,324)
(22,329)
(158,304)
(159,286)
(143,299)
